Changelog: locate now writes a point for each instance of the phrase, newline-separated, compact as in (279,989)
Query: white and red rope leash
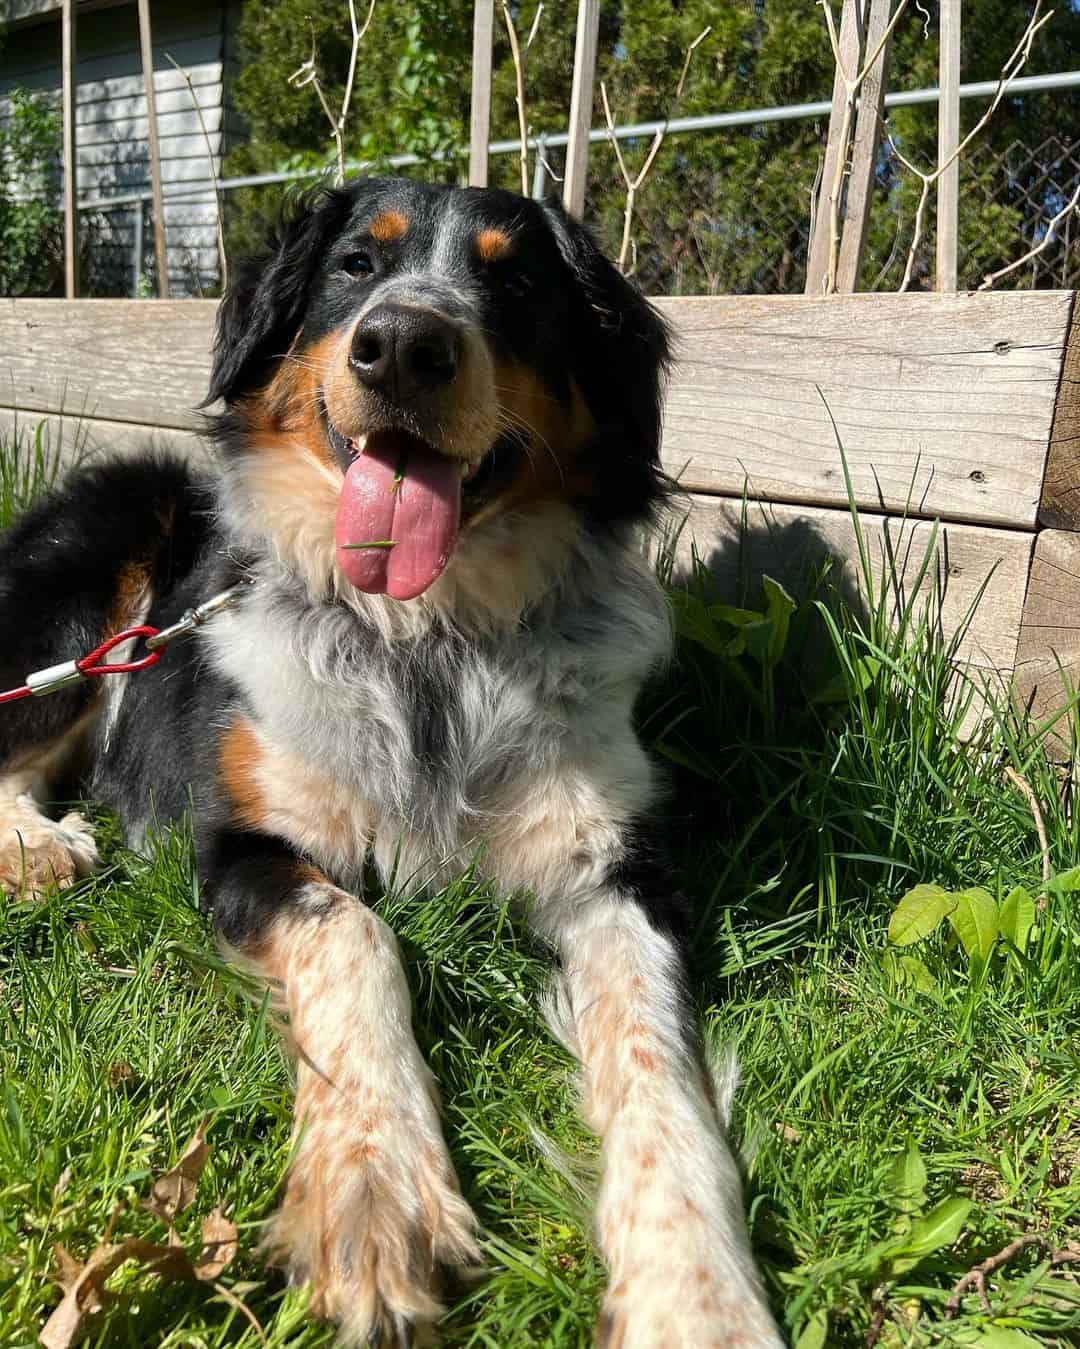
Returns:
(70,672)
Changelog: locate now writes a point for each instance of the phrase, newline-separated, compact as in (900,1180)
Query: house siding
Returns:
(112,132)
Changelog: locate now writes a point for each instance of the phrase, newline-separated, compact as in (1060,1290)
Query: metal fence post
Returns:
(137,250)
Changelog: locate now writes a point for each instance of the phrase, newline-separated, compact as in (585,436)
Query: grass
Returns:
(906,1111)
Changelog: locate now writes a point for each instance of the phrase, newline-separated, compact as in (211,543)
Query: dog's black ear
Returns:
(621,358)
(264,303)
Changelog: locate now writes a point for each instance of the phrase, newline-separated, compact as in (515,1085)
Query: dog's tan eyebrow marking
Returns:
(388,226)
(492,244)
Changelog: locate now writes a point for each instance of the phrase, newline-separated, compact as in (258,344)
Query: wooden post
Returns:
(480,122)
(71,177)
(155,151)
(851,51)
(948,187)
(864,151)
(581,102)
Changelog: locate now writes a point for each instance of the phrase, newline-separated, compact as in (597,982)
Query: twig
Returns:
(213,169)
(1033,804)
(877,1321)
(308,74)
(977,1275)
(1073,204)
(1009,72)
(633,185)
(520,56)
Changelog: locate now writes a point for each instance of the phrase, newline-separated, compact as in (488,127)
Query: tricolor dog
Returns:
(438,444)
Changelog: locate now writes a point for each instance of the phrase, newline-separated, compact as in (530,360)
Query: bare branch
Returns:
(1073,204)
(1012,68)
(634,184)
(519,57)
(308,73)
(213,168)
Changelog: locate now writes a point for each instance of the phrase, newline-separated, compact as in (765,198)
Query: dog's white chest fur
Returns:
(432,743)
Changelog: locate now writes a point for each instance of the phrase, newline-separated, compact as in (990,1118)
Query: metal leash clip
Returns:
(195,618)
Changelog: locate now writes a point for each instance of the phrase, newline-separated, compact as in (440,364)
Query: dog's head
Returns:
(416,362)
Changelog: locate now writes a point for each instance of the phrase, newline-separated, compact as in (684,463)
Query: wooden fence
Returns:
(961,408)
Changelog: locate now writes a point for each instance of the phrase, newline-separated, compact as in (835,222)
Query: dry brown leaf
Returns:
(85,1293)
(220,1242)
(174,1191)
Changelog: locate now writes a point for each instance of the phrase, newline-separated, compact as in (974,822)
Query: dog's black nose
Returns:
(403,351)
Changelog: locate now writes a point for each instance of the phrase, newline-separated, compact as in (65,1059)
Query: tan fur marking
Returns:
(647,1061)
(492,244)
(239,758)
(132,589)
(389,226)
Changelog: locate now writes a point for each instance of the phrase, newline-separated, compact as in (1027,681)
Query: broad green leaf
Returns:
(974,918)
(1068,881)
(738,618)
(917,973)
(1002,1337)
(779,606)
(940,1227)
(1017,917)
(815,1333)
(919,913)
(907,1179)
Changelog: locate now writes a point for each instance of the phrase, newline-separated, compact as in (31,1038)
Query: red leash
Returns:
(72,671)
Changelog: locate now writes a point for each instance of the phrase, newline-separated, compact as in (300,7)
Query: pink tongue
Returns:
(417,512)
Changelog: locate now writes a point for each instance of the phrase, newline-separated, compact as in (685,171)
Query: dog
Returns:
(437,443)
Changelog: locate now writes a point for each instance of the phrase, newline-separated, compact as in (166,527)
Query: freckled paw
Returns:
(37,853)
(372,1242)
(703,1314)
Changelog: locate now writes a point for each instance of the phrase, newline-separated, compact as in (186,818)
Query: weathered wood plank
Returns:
(122,360)
(480,106)
(1048,652)
(948,186)
(941,401)
(1060,504)
(581,104)
(73,438)
(852,33)
(71,163)
(146,46)
(864,148)
(789,542)
(946,401)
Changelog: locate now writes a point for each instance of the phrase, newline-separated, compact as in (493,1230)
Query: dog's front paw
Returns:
(36,852)
(372,1214)
(695,1308)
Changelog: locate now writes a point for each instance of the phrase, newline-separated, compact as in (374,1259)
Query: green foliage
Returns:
(30,218)
(723,211)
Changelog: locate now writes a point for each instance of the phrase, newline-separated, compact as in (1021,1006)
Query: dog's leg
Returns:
(669,1213)
(372,1207)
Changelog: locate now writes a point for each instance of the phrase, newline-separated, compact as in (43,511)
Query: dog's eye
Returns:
(358,264)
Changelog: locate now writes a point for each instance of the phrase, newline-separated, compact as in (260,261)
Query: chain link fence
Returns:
(723,212)
(717,218)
